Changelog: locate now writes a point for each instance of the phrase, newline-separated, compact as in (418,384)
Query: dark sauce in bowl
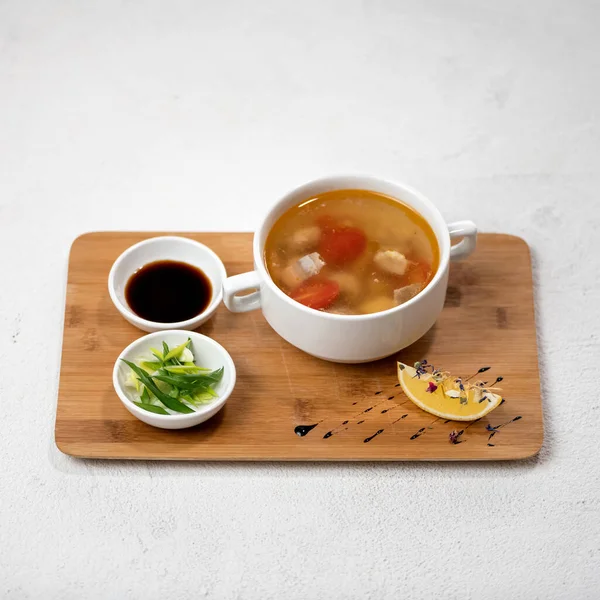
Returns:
(168,291)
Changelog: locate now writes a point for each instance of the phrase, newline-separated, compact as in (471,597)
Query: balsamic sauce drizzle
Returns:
(373,436)
(382,430)
(302,430)
(423,429)
(482,370)
(342,427)
(400,418)
(418,434)
(394,407)
(494,429)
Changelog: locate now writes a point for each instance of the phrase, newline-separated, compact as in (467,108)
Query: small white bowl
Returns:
(166,248)
(207,353)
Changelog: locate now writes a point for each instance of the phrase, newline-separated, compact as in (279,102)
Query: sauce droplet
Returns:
(418,434)
(373,436)
(399,418)
(302,430)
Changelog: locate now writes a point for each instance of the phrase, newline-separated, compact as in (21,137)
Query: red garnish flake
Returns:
(454,436)
(431,387)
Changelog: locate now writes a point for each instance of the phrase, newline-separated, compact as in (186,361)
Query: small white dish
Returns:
(166,248)
(207,353)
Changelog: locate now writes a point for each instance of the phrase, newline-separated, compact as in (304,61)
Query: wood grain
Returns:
(488,319)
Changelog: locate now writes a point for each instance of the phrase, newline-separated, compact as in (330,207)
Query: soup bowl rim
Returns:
(292,198)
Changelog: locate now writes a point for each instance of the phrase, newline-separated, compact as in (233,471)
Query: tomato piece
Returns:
(417,273)
(316,293)
(342,245)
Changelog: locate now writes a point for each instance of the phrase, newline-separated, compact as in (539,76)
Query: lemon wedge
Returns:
(443,397)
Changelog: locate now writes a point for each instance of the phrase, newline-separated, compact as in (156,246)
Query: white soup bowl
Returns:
(350,338)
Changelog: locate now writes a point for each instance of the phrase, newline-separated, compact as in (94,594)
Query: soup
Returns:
(351,252)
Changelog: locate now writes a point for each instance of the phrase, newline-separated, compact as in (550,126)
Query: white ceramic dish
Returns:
(207,353)
(166,248)
(350,338)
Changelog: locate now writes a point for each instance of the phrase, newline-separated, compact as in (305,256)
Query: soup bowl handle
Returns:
(466,230)
(240,283)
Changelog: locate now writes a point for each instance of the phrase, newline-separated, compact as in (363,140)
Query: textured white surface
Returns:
(191,115)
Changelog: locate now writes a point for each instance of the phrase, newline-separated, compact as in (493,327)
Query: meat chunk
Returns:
(304,239)
(404,294)
(391,261)
(301,269)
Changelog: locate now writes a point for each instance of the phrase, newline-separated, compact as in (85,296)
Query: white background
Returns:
(197,115)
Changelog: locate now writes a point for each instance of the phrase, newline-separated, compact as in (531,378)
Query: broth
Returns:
(351,252)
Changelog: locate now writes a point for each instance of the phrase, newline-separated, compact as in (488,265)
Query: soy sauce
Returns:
(168,291)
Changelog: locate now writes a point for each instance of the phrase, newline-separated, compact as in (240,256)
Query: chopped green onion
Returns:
(212,376)
(186,385)
(173,380)
(176,352)
(164,398)
(203,397)
(157,354)
(145,396)
(159,410)
(185,368)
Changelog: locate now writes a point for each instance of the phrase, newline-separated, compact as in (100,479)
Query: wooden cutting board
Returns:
(359,411)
